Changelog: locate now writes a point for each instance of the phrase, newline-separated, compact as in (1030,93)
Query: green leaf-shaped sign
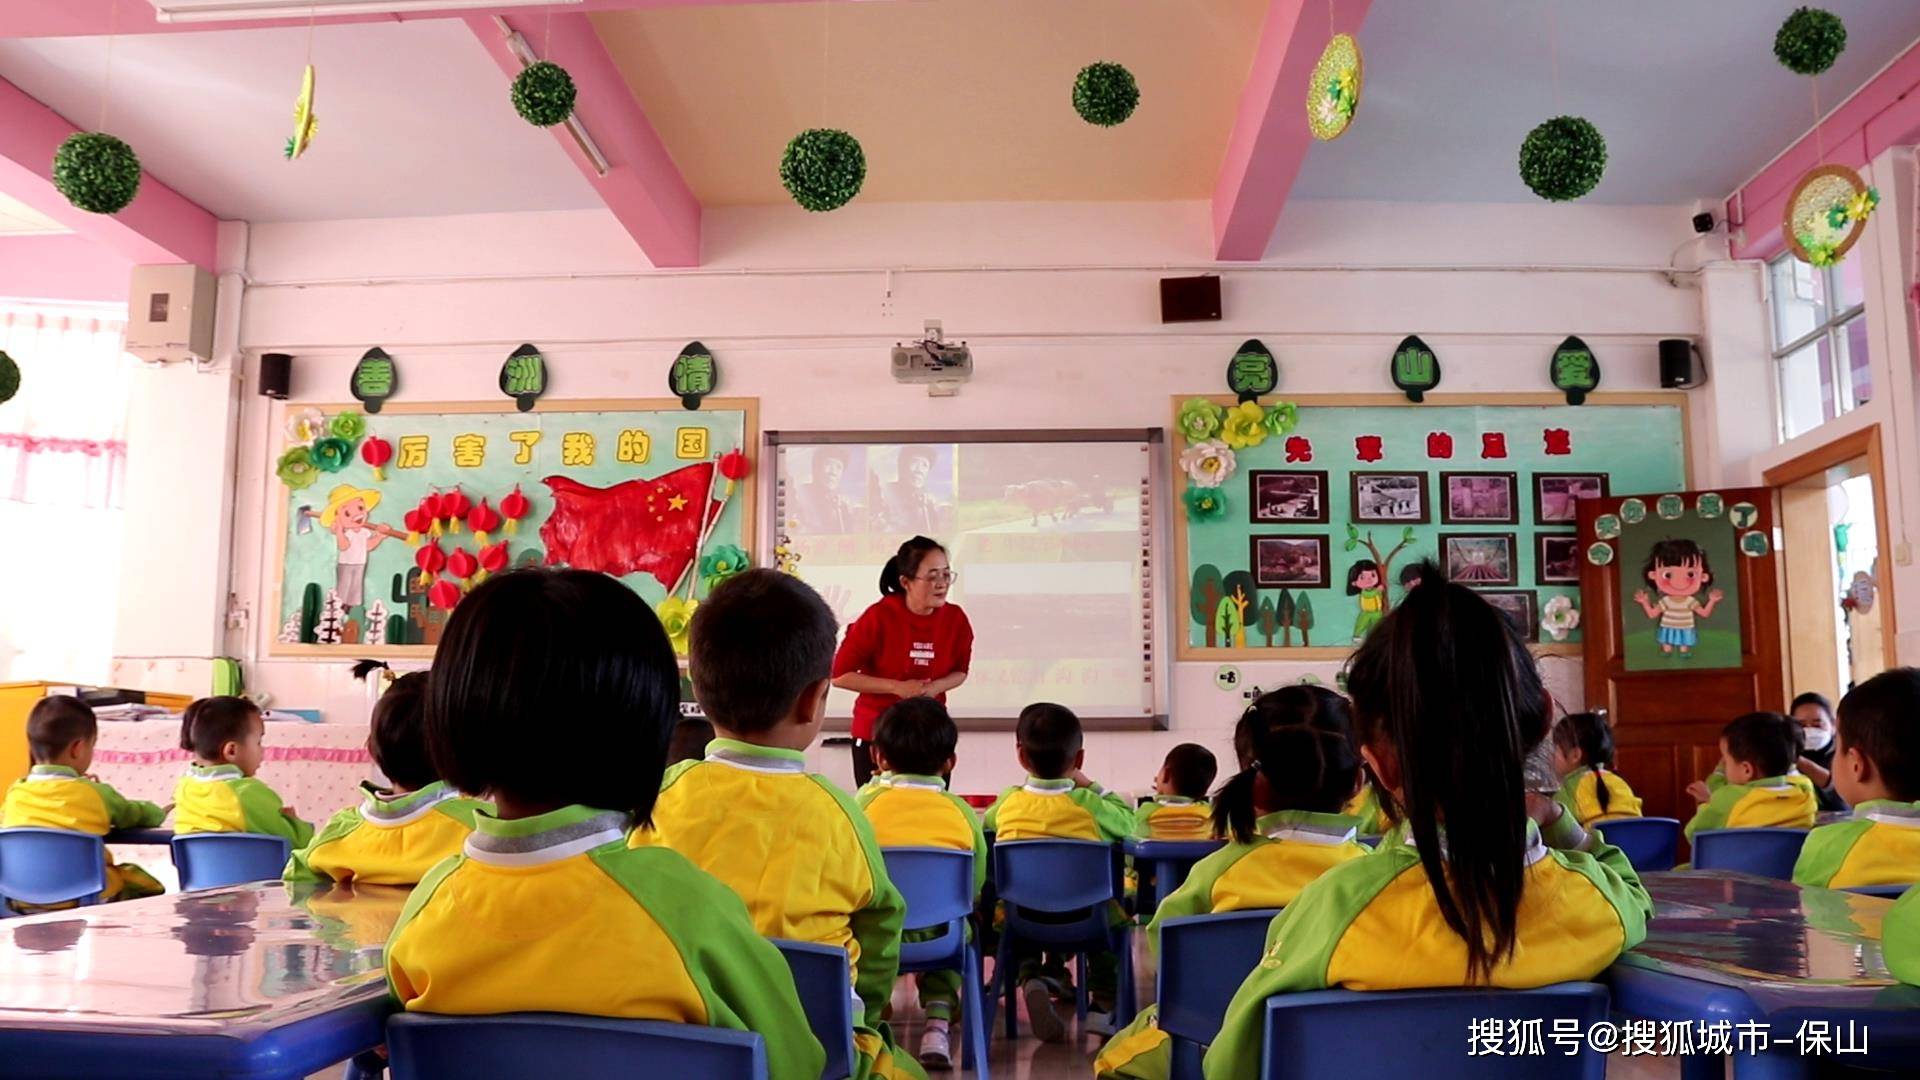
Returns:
(524,376)
(1574,370)
(693,375)
(375,378)
(1416,368)
(1252,371)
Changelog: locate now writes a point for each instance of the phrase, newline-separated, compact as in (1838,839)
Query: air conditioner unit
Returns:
(170,314)
(194,11)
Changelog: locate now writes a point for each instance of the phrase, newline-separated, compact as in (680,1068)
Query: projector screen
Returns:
(1052,542)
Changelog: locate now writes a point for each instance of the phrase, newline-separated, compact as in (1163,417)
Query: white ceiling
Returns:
(19,219)
(1687,93)
(413,119)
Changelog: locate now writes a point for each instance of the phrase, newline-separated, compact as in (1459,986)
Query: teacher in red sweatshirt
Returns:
(910,643)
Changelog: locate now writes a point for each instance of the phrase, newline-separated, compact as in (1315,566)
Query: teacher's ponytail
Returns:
(906,563)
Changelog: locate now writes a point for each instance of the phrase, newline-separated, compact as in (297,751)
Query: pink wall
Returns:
(61,267)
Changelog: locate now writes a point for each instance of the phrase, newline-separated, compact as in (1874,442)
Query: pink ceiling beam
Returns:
(1885,112)
(1270,136)
(642,186)
(80,18)
(161,225)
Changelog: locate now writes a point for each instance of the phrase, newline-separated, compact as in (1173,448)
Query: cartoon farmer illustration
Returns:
(1679,570)
(345,515)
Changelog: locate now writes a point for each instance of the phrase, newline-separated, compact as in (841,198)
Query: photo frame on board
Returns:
(1518,605)
(1479,498)
(1556,496)
(1479,559)
(1290,562)
(1556,559)
(1287,496)
(1393,498)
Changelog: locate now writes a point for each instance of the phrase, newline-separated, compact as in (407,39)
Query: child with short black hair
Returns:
(547,909)
(1583,757)
(1760,787)
(400,832)
(691,734)
(57,793)
(1876,767)
(219,792)
(1179,809)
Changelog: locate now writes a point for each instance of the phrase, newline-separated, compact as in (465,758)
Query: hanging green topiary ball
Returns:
(1105,94)
(1563,158)
(543,94)
(9,378)
(823,168)
(96,172)
(1810,41)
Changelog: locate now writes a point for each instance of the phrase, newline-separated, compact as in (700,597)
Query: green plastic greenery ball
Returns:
(96,172)
(9,378)
(1563,158)
(823,168)
(1810,41)
(1105,94)
(543,94)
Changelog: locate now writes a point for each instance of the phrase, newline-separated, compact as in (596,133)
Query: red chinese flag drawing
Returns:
(636,526)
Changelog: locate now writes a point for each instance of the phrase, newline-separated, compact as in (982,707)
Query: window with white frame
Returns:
(1819,341)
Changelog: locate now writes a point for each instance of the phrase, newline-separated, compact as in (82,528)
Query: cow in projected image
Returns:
(1055,500)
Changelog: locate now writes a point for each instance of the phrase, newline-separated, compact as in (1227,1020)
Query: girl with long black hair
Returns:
(1583,756)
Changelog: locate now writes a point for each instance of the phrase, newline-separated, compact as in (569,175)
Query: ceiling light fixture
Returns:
(197,11)
(581,137)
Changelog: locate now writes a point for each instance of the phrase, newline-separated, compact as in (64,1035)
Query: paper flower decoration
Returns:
(332,453)
(1207,464)
(453,508)
(96,172)
(443,595)
(1200,419)
(463,565)
(1826,214)
(1105,94)
(513,508)
(543,94)
(482,519)
(348,425)
(430,559)
(303,118)
(1559,617)
(734,465)
(305,425)
(296,469)
(1204,503)
(1281,418)
(1563,158)
(9,377)
(823,168)
(1810,41)
(1245,425)
(1333,92)
(376,452)
(417,521)
(721,563)
(676,617)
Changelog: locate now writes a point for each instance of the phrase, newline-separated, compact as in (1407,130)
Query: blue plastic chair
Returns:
(1425,1033)
(1650,843)
(539,1046)
(938,886)
(1203,961)
(1370,841)
(1058,877)
(1890,892)
(1766,852)
(211,860)
(1170,861)
(821,975)
(52,866)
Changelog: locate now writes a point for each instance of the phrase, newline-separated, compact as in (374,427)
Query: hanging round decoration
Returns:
(1810,41)
(1574,370)
(1754,544)
(1827,213)
(543,94)
(1670,507)
(9,377)
(1633,511)
(1743,515)
(1333,94)
(1606,526)
(1416,368)
(303,120)
(823,168)
(1710,505)
(1563,158)
(1252,371)
(1105,94)
(96,172)
(1600,554)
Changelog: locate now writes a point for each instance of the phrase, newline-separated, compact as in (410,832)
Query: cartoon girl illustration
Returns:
(1363,581)
(1679,570)
(345,516)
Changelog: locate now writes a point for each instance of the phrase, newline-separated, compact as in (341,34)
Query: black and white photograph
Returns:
(1477,498)
(1293,562)
(1519,607)
(1280,495)
(1556,496)
(1397,497)
(1556,559)
(1478,558)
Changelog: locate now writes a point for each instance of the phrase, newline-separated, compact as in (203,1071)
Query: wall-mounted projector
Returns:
(942,364)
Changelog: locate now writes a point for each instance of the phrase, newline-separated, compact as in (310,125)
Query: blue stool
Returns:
(1890,892)
(1203,961)
(1650,843)
(938,886)
(1426,1033)
(1171,861)
(821,975)
(539,1046)
(1766,852)
(1370,841)
(1061,878)
(211,860)
(52,866)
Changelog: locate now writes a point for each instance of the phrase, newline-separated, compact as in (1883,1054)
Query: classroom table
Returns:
(1726,946)
(265,980)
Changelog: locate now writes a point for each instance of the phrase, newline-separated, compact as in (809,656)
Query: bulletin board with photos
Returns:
(1298,548)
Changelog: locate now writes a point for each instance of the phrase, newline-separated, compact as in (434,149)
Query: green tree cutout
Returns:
(1204,599)
(1269,620)
(1303,619)
(1239,590)
(1285,612)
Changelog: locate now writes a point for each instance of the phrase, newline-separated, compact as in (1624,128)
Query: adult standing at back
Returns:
(909,643)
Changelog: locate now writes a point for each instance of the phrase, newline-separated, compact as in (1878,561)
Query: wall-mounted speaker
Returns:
(276,375)
(1677,368)
(1190,299)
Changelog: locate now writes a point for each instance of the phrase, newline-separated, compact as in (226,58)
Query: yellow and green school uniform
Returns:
(388,839)
(1056,810)
(1174,817)
(1786,802)
(1289,850)
(1880,845)
(907,810)
(220,798)
(1579,794)
(1372,924)
(57,797)
(802,856)
(1365,808)
(1900,937)
(555,913)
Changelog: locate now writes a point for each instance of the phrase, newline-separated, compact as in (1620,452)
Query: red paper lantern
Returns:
(482,519)
(417,521)
(376,452)
(462,564)
(443,595)
(734,465)
(494,559)
(454,506)
(514,507)
(430,559)
(430,506)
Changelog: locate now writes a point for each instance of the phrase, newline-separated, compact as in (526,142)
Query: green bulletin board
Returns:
(1484,485)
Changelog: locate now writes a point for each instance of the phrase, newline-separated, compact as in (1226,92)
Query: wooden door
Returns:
(1668,703)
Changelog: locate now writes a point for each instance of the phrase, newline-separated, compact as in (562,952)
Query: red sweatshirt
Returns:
(889,642)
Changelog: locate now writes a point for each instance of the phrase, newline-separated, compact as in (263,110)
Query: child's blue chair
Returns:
(1203,961)
(211,860)
(1766,852)
(1370,841)
(52,866)
(1649,843)
(539,1046)
(1170,861)
(1425,1033)
(1058,877)
(821,975)
(1890,892)
(938,886)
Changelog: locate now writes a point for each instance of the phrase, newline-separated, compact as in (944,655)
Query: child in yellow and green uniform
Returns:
(547,909)
(1281,814)
(1179,809)
(1759,787)
(397,833)
(910,806)
(791,844)
(1447,703)
(1876,768)
(219,792)
(1059,802)
(57,793)
(1583,756)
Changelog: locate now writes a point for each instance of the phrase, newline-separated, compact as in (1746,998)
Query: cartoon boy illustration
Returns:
(345,516)
(1679,570)
(1363,581)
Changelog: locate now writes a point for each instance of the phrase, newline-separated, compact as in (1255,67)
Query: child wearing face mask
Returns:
(1814,713)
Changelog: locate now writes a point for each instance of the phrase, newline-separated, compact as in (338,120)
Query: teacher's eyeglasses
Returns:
(937,576)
